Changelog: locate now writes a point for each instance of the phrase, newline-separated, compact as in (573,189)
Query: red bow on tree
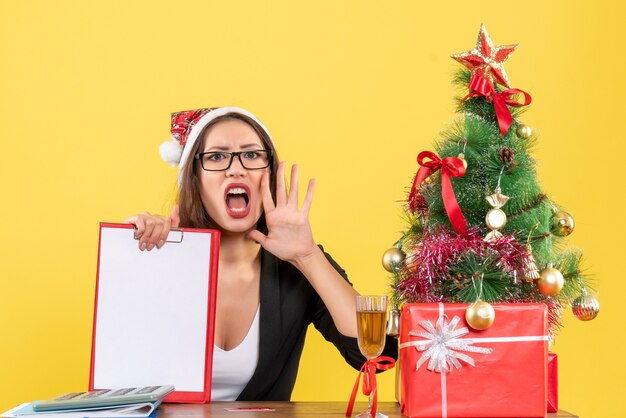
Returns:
(450,166)
(480,86)
(369,381)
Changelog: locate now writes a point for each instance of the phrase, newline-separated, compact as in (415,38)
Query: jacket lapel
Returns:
(269,327)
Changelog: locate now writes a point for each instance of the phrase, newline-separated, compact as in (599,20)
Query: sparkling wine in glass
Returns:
(371,315)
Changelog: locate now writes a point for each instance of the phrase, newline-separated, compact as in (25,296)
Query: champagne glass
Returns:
(371,316)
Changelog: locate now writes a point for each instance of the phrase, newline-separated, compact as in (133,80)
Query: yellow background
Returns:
(350,90)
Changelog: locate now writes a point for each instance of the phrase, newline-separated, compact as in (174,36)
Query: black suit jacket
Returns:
(288,305)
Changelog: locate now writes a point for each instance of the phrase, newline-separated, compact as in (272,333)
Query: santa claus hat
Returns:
(186,128)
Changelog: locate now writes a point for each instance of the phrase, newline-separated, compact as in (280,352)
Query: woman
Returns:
(273,279)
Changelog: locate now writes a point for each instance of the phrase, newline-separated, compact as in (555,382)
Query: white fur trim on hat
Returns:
(204,121)
(175,155)
(198,128)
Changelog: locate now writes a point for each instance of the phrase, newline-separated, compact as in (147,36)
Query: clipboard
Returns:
(154,312)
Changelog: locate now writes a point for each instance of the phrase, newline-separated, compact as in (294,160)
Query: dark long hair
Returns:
(192,211)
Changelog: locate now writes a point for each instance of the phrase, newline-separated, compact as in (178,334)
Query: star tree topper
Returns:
(487,60)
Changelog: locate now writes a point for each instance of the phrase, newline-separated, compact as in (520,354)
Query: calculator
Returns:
(104,398)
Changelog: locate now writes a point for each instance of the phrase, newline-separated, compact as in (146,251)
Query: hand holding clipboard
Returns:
(153,230)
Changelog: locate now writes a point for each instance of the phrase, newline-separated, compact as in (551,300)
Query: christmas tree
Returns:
(481,230)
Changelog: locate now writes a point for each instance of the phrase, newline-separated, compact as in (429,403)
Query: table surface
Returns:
(283,409)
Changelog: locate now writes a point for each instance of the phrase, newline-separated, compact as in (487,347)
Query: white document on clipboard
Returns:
(154,312)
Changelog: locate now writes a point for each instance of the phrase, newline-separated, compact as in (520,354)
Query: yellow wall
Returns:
(351,90)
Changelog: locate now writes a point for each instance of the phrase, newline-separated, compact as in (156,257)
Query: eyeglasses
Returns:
(221,161)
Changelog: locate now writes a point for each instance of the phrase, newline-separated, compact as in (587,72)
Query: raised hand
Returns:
(289,234)
(289,238)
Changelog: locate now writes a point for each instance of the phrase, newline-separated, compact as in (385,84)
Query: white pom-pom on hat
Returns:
(171,151)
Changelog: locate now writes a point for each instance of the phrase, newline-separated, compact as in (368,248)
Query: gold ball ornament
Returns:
(393,259)
(550,281)
(524,131)
(480,315)
(495,218)
(585,307)
(562,224)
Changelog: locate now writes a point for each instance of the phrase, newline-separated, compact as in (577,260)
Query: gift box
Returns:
(450,370)
(553,383)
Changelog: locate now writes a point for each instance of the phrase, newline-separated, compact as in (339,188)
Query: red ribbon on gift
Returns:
(369,381)
(479,86)
(450,166)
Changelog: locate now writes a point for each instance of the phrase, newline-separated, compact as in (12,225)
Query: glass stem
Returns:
(369,397)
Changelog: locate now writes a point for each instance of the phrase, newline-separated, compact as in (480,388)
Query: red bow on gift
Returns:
(450,166)
(480,86)
(369,381)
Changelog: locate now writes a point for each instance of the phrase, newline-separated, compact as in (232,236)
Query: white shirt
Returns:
(233,369)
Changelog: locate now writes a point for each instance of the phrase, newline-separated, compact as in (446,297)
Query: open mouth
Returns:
(237,199)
